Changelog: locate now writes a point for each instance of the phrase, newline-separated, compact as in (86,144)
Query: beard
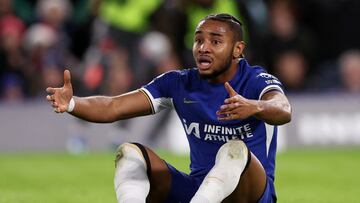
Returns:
(217,71)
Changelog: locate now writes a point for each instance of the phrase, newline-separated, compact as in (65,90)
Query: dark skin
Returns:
(216,53)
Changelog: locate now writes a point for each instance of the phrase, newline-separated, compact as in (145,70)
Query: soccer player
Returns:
(229,111)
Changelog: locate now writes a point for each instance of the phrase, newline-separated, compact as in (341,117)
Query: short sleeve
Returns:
(265,82)
(159,91)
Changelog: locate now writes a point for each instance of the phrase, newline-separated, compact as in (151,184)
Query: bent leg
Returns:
(223,181)
(224,176)
(251,185)
(140,175)
(131,181)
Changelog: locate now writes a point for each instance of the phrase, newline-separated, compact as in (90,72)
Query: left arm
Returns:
(273,107)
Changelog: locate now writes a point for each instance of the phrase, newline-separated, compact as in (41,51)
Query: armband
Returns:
(71,105)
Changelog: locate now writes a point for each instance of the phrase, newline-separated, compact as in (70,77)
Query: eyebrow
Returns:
(211,33)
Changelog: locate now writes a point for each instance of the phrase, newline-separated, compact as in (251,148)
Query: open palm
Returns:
(60,97)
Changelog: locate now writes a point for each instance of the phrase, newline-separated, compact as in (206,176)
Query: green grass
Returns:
(329,176)
(321,176)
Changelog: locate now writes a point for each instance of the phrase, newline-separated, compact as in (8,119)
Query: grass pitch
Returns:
(302,176)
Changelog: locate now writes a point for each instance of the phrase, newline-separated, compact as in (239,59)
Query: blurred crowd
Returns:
(113,46)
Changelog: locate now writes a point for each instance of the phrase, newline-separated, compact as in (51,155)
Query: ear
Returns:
(238,49)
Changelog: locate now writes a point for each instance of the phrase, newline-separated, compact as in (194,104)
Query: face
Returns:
(215,50)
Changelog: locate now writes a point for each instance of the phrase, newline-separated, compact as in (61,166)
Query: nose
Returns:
(204,47)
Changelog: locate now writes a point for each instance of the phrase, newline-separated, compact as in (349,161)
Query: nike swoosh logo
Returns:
(186,101)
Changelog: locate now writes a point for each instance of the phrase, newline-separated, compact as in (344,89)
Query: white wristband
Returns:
(71,105)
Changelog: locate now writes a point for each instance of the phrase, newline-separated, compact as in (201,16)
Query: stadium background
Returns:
(113,46)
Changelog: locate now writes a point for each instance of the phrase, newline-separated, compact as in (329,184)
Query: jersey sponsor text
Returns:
(218,132)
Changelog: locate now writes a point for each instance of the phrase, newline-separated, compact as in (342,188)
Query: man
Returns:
(228,109)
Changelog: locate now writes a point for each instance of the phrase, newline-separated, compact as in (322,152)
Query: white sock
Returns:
(223,178)
(131,181)
(132,200)
(200,198)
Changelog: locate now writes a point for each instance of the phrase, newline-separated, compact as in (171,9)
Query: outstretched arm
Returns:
(273,107)
(100,109)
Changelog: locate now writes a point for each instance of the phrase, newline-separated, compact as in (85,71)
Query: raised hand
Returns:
(236,107)
(60,97)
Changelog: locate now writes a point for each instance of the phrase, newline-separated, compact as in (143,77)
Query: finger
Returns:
(225,113)
(236,98)
(54,105)
(50,90)
(48,97)
(59,109)
(231,106)
(62,108)
(67,78)
(230,90)
(231,99)
(222,112)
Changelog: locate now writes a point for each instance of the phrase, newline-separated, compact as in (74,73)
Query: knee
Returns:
(234,149)
(235,144)
(129,151)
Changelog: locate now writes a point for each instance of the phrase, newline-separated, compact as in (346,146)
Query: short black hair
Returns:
(234,24)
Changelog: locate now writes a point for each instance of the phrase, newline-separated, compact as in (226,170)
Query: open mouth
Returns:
(204,62)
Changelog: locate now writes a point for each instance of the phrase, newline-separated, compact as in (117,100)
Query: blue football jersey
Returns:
(196,102)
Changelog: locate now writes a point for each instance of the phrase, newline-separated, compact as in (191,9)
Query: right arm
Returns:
(103,109)
(100,109)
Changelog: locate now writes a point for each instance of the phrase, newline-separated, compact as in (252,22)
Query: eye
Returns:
(216,42)
(198,41)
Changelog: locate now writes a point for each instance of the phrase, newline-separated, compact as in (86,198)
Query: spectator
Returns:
(38,39)
(120,76)
(12,61)
(349,67)
(291,68)
(285,33)
(48,43)
(158,52)
(172,12)
(127,21)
